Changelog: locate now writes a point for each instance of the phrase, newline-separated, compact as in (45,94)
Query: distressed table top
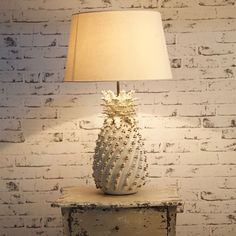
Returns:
(91,197)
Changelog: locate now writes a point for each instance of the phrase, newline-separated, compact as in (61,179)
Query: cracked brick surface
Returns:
(48,128)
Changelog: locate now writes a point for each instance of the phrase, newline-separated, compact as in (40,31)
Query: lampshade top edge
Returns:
(115,10)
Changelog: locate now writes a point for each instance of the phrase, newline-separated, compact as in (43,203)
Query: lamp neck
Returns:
(117,88)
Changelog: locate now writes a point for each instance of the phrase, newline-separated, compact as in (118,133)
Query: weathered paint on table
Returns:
(88,212)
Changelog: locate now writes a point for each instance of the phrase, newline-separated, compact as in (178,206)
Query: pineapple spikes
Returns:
(121,106)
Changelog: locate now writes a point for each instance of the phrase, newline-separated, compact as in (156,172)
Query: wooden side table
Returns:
(88,212)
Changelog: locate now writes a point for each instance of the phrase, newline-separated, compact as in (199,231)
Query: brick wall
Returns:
(48,128)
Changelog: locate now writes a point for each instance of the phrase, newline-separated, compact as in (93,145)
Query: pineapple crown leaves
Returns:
(122,106)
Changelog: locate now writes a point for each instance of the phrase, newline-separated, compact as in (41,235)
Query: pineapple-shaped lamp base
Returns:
(119,166)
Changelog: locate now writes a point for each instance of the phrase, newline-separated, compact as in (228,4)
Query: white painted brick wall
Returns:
(48,128)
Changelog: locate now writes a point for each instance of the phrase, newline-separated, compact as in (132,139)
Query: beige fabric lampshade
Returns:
(117,45)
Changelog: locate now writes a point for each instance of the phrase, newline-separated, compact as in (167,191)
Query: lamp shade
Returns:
(117,45)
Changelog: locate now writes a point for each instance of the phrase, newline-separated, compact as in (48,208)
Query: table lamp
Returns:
(117,46)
